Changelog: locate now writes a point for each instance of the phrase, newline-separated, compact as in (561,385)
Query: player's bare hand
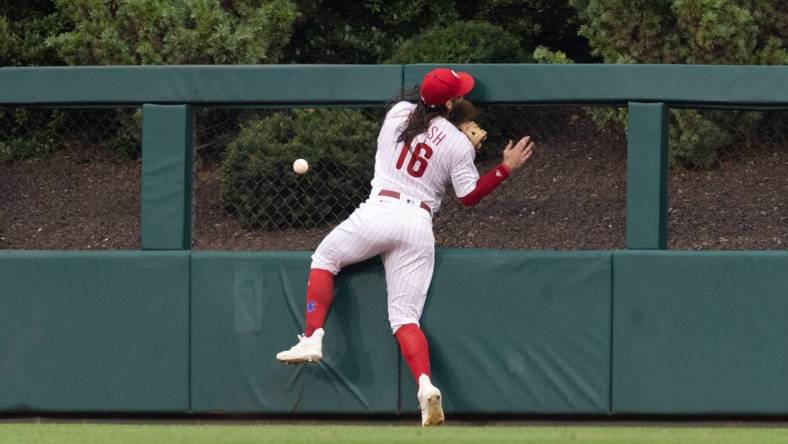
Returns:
(515,156)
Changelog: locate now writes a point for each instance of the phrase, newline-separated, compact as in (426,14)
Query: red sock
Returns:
(414,348)
(319,293)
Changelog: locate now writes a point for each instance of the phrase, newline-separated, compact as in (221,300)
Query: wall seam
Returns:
(190,408)
(612,330)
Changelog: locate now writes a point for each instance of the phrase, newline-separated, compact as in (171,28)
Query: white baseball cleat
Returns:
(429,402)
(308,349)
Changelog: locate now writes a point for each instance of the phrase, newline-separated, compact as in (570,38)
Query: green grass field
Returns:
(320,434)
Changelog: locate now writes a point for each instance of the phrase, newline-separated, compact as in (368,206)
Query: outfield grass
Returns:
(324,434)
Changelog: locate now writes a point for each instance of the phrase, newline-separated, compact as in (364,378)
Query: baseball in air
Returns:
(300,166)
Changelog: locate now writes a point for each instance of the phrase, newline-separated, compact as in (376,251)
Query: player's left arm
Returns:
(514,157)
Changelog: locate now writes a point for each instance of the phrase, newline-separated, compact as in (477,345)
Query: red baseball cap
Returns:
(442,84)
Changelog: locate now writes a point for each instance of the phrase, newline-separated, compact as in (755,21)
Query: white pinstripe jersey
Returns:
(400,232)
(440,156)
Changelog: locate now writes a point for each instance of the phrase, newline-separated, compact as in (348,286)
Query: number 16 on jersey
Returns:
(419,157)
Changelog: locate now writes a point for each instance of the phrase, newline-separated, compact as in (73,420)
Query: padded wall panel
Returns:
(620,83)
(246,307)
(234,84)
(700,332)
(166,203)
(647,164)
(342,84)
(94,331)
(518,332)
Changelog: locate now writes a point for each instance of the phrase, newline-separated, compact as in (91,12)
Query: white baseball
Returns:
(300,166)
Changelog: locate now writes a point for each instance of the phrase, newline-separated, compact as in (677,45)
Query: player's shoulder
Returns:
(401,110)
(460,141)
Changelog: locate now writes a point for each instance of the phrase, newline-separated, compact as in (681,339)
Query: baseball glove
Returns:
(474,133)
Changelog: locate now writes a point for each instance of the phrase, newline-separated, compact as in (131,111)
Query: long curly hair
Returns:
(420,118)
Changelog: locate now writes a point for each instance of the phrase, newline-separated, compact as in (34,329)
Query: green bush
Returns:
(339,31)
(694,139)
(461,42)
(370,31)
(126,137)
(27,134)
(543,55)
(8,42)
(693,32)
(259,186)
(685,31)
(551,23)
(154,32)
(24,27)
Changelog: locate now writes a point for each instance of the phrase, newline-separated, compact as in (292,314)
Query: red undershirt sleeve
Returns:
(485,185)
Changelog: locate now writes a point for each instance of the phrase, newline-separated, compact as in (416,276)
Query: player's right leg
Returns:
(414,348)
(408,275)
(358,238)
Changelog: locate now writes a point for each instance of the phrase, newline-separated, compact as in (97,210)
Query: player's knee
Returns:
(398,323)
(324,262)
(401,314)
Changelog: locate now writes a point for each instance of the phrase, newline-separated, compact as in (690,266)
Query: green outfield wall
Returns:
(94,331)
(700,332)
(166,329)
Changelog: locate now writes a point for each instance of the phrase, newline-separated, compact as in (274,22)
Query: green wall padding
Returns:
(246,307)
(620,83)
(166,201)
(363,84)
(700,332)
(85,331)
(510,332)
(233,84)
(518,332)
(647,177)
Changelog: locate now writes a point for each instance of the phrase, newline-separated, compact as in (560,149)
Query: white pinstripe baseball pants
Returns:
(398,231)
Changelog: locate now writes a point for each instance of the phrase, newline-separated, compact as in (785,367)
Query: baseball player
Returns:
(419,152)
